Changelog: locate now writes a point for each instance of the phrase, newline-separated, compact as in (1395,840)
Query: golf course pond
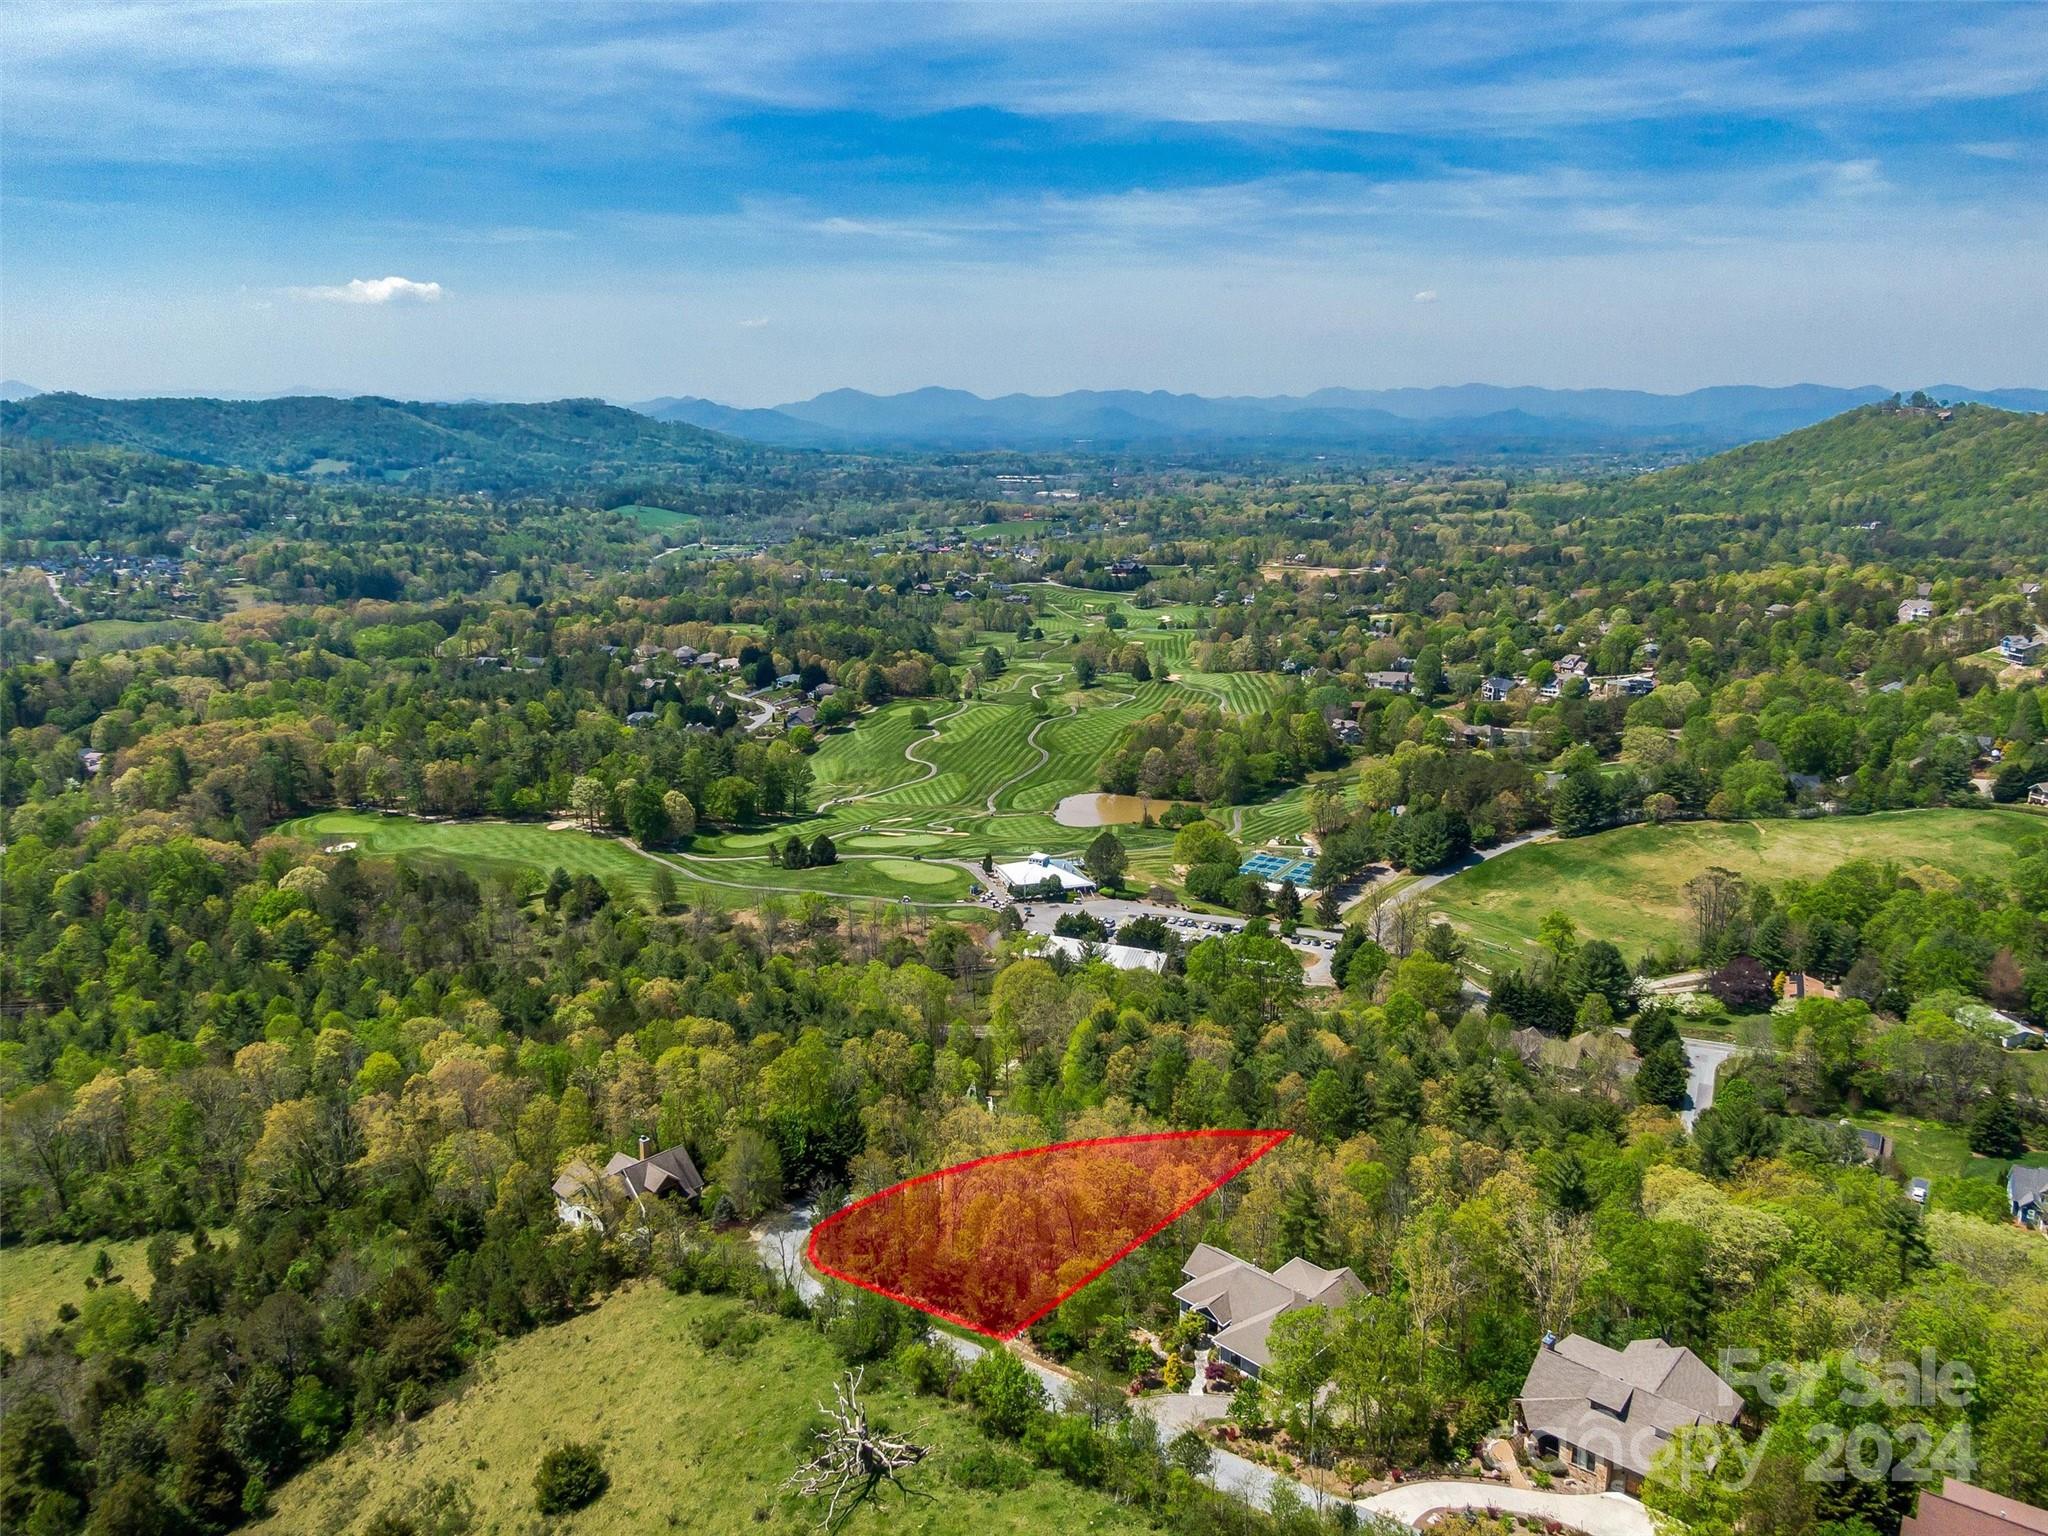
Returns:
(1096,810)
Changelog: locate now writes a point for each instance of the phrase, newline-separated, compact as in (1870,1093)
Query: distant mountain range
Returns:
(1465,415)
(562,444)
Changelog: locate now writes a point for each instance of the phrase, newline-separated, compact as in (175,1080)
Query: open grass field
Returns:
(1628,885)
(479,846)
(1927,1149)
(694,1440)
(724,879)
(38,1278)
(660,519)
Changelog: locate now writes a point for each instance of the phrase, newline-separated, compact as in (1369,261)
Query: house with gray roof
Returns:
(2026,1189)
(582,1194)
(1241,1302)
(1609,1411)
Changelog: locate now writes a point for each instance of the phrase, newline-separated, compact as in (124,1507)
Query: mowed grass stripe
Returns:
(479,846)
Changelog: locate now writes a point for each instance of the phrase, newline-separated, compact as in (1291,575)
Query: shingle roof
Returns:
(1962,1509)
(669,1172)
(1622,1404)
(1244,1301)
(2025,1184)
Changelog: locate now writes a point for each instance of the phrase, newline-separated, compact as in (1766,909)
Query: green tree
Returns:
(1996,1129)
(1005,1397)
(1662,1077)
(1106,860)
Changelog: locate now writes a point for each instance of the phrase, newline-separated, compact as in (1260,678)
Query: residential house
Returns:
(640,717)
(582,1194)
(1915,610)
(2038,795)
(2026,1191)
(1609,1411)
(1917,1191)
(2022,650)
(1876,1147)
(1496,689)
(1963,1509)
(1240,1302)
(1393,682)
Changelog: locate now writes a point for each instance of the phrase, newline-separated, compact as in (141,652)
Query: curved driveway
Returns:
(1598,1514)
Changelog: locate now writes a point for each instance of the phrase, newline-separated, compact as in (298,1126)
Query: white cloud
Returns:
(753,322)
(1427,296)
(375,290)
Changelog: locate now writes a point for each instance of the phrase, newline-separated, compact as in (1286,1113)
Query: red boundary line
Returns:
(1272,1140)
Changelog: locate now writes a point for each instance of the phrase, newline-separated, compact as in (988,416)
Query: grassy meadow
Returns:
(38,1278)
(1628,885)
(694,1439)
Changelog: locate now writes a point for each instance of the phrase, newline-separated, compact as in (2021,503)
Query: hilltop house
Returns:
(581,1193)
(2022,650)
(1241,1302)
(1915,610)
(2026,1190)
(1609,1411)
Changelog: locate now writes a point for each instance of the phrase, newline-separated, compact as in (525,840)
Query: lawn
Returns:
(485,847)
(693,1440)
(660,519)
(1927,1149)
(1628,885)
(37,1279)
(481,847)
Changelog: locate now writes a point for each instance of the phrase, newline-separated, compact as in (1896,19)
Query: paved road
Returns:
(1039,917)
(1599,1514)
(1703,1060)
(1429,882)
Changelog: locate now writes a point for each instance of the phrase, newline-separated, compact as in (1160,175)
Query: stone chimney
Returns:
(646,1146)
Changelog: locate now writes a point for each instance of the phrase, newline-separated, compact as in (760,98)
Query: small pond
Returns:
(1096,810)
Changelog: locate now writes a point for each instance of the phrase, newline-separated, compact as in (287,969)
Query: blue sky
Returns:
(757,204)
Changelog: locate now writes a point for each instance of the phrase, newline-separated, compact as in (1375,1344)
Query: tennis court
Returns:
(1278,868)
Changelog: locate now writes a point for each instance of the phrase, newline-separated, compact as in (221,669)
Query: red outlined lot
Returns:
(996,1244)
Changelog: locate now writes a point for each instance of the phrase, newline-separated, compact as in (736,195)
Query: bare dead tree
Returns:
(853,1462)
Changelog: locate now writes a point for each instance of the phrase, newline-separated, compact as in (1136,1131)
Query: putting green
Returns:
(911,873)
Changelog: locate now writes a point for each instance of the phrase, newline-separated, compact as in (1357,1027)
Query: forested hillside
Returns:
(498,448)
(1881,478)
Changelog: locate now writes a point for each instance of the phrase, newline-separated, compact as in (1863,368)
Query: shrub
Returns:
(927,1368)
(570,1477)
(1071,1446)
(1005,1396)
(988,1470)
